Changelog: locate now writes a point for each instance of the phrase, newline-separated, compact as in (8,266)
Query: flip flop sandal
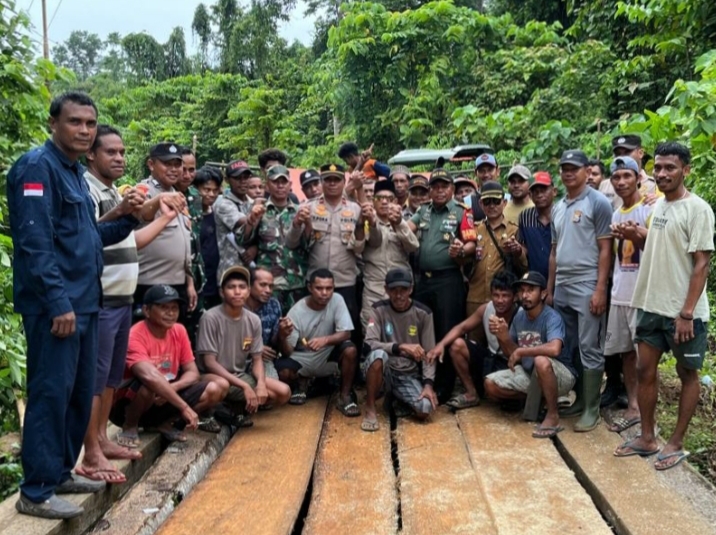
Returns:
(546,431)
(128,440)
(210,426)
(370,425)
(95,475)
(621,452)
(680,456)
(298,398)
(349,409)
(460,402)
(622,424)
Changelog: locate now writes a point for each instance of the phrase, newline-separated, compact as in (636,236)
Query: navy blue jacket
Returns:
(57,241)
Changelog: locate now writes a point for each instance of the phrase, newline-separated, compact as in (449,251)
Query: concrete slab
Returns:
(525,480)
(258,484)
(12,523)
(172,477)
(627,490)
(354,482)
(439,490)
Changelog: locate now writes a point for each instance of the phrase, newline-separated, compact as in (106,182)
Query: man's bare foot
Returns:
(112,450)
(100,469)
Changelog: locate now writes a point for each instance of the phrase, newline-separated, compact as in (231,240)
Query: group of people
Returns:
(197,297)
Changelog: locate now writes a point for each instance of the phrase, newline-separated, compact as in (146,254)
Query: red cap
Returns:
(541,178)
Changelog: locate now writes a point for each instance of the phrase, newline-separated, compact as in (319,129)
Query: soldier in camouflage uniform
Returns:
(195,213)
(268,232)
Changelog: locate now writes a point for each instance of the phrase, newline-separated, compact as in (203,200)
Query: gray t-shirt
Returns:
(543,329)
(232,340)
(577,224)
(309,324)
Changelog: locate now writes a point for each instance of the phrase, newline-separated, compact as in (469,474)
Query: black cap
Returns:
(440,174)
(418,181)
(492,190)
(629,142)
(308,176)
(399,277)
(332,169)
(237,168)
(161,293)
(574,157)
(533,278)
(165,152)
(384,185)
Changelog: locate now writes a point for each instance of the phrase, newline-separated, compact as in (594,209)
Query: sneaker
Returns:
(55,508)
(77,484)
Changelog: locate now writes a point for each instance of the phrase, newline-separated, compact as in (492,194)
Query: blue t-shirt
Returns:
(543,329)
(537,238)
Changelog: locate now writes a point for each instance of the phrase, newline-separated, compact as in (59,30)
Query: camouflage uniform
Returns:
(230,214)
(196,214)
(288,266)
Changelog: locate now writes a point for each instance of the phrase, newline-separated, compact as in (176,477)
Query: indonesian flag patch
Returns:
(33,190)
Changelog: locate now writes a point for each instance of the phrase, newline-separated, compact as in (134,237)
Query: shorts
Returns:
(236,394)
(114,325)
(519,380)
(156,415)
(621,330)
(309,366)
(658,331)
(483,362)
(406,387)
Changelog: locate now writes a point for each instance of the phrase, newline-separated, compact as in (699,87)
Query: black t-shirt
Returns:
(210,254)
(477,213)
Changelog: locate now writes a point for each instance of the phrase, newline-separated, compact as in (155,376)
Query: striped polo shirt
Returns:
(121,264)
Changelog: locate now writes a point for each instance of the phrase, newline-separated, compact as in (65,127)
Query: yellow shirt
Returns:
(512,211)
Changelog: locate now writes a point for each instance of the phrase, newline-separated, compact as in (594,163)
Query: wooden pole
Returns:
(599,138)
(45,36)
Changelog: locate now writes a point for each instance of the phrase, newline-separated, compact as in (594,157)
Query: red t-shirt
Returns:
(168,354)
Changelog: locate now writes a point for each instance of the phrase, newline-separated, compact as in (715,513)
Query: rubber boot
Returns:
(591,386)
(576,408)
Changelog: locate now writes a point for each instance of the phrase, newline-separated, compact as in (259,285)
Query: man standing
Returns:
(387,246)
(486,169)
(269,232)
(362,161)
(418,194)
(400,175)
(535,232)
(230,211)
(519,180)
(399,336)
(311,184)
(208,184)
(595,174)
(535,344)
(579,265)
(464,187)
(334,229)
(497,246)
(629,145)
(167,260)
(446,233)
(672,317)
(629,227)
(56,287)
(321,340)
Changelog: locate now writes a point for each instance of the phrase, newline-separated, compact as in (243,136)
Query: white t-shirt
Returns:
(627,255)
(677,230)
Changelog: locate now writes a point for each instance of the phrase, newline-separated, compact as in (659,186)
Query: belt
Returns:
(440,273)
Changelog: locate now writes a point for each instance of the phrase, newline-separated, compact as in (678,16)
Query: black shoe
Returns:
(610,394)
(55,508)
(80,485)
(623,401)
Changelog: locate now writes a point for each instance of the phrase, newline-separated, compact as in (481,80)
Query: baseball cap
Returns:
(464,180)
(399,277)
(533,278)
(440,174)
(624,162)
(161,293)
(165,152)
(492,190)
(308,176)
(400,170)
(277,171)
(241,270)
(541,178)
(574,157)
(384,185)
(485,159)
(418,181)
(237,168)
(521,171)
(332,169)
(629,142)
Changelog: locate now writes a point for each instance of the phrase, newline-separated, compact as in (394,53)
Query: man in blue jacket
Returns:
(57,269)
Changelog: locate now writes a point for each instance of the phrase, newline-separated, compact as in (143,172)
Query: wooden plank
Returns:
(627,490)
(354,483)
(259,482)
(525,480)
(439,490)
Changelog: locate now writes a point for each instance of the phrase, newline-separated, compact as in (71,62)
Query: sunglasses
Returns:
(384,198)
(492,202)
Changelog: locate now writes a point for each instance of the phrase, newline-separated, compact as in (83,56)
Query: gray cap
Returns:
(521,171)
